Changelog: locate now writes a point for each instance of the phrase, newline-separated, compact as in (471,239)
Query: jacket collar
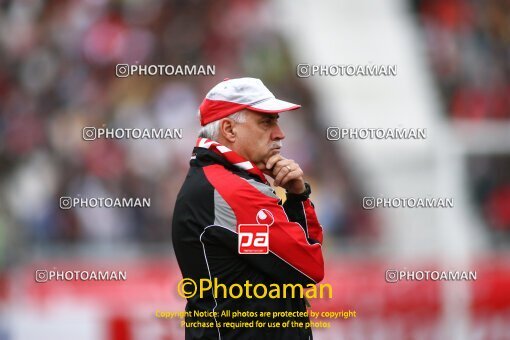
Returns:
(203,157)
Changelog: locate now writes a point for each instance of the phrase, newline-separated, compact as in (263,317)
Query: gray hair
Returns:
(212,130)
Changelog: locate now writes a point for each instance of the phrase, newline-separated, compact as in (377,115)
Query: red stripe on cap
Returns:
(211,110)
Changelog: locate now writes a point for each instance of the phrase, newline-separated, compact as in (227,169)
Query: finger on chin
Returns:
(273,160)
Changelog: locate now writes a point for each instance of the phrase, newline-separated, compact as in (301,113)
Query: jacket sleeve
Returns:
(302,211)
(295,252)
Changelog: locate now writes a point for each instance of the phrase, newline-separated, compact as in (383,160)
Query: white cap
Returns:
(233,95)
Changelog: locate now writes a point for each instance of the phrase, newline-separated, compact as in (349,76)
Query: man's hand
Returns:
(286,174)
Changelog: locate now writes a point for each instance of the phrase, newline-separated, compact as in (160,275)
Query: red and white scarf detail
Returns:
(231,156)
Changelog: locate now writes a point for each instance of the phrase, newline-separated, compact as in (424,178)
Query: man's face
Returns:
(258,138)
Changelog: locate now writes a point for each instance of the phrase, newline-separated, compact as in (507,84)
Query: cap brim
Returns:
(273,105)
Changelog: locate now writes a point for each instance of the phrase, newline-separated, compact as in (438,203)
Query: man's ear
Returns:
(227,130)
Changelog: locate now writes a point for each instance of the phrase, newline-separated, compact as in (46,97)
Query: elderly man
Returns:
(231,233)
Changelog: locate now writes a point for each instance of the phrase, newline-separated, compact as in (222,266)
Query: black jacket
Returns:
(215,199)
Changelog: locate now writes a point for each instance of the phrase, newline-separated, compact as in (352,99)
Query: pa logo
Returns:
(253,238)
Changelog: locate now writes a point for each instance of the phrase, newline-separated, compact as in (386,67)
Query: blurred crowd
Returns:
(468,42)
(490,178)
(469,48)
(57,75)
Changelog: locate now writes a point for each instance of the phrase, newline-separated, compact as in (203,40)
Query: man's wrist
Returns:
(302,196)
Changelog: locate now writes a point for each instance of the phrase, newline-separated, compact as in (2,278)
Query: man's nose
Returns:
(277,133)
